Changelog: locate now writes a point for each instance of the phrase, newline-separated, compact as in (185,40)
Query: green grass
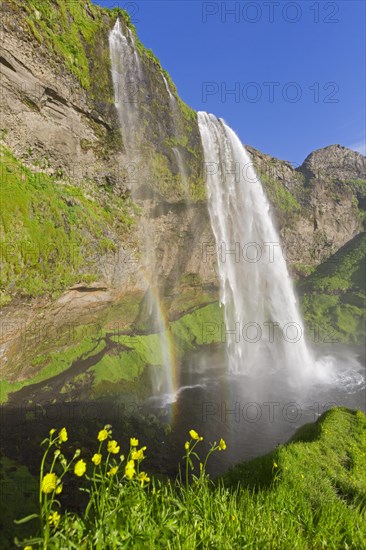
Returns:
(308,494)
(69,33)
(280,197)
(117,368)
(17,498)
(333,297)
(51,234)
(54,363)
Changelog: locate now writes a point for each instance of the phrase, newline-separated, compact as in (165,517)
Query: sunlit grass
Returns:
(307,494)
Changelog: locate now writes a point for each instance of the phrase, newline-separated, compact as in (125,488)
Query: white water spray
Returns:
(127,75)
(263,326)
(172,99)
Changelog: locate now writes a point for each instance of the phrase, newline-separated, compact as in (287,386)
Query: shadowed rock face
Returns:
(52,120)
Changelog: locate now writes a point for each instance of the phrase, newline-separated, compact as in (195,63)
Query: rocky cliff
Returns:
(74,256)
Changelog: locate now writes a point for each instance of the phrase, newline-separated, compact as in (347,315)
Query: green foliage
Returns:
(309,493)
(67,29)
(45,367)
(279,196)
(51,234)
(17,498)
(334,296)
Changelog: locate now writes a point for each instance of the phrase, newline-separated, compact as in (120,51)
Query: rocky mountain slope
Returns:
(74,253)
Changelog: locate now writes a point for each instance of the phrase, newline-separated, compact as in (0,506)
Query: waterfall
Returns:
(172,99)
(181,164)
(127,76)
(263,327)
(129,82)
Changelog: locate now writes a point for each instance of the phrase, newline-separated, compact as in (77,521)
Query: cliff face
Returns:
(76,252)
(318,206)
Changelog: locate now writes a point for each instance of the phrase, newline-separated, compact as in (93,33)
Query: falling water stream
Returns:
(127,76)
(263,326)
(264,381)
(266,357)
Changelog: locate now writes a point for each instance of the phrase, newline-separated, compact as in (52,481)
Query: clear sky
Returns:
(296,69)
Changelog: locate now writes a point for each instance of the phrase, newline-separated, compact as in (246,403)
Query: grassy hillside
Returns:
(52,233)
(334,296)
(307,494)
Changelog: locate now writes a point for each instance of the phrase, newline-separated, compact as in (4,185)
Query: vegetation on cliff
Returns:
(53,234)
(334,296)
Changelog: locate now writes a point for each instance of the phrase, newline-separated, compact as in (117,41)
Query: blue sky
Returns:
(296,69)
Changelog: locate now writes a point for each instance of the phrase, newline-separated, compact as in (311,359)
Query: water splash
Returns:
(263,327)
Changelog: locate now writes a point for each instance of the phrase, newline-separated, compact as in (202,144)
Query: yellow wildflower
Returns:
(130,469)
(113,447)
(233,518)
(80,468)
(59,489)
(112,471)
(97,459)
(103,435)
(186,445)
(222,445)
(275,465)
(194,434)
(134,442)
(52,431)
(62,434)
(138,455)
(28,548)
(143,478)
(49,483)
(54,518)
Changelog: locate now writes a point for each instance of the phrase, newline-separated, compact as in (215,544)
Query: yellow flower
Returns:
(54,518)
(134,442)
(59,489)
(275,465)
(113,447)
(97,459)
(103,435)
(80,468)
(222,445)
(194,434)
(112,471)
(233,518)
(28,548)
(186,445)
(52,431)
(130,469)
(62,434)
(49,483)
(143,478)
(138,455)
